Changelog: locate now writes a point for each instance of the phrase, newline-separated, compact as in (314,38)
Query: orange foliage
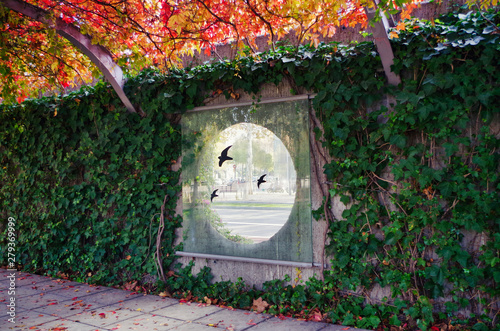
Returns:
(143,33)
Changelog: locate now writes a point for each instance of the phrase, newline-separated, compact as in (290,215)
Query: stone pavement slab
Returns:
(277,324)
(62,324)
(187,311)
(28,319)
(148,322)
(233,319)
(39,301)
(107,316)
(43,303)
(23,278)
(193,326)
(147,303)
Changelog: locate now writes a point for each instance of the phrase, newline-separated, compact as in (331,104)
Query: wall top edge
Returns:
(249,103)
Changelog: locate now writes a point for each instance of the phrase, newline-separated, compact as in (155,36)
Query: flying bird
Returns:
(213,195)
(261,180)
(223,156)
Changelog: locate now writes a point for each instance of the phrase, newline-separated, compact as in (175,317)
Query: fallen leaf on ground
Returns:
(251,322)
(130,286)
(102,315)
(259,305)
(316,316)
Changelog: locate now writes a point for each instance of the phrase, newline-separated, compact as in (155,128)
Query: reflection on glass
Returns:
(248,208)
(245,177)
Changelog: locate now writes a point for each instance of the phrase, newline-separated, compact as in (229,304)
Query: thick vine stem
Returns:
(316,150)
(161,227)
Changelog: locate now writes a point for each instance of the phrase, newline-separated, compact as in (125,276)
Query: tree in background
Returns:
(128,35)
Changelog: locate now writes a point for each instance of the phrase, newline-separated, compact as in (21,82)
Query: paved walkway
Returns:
(44,303)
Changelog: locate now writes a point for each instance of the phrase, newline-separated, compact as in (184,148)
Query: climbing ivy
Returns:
(419,175)
(85,182)
(414,168)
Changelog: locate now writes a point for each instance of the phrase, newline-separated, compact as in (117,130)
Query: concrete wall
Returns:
(256,273)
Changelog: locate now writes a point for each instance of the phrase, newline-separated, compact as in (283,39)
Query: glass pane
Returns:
(246,182)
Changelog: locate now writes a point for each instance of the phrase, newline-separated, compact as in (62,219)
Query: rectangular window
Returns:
(246,182)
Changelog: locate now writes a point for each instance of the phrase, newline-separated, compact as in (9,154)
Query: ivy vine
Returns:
(92,186)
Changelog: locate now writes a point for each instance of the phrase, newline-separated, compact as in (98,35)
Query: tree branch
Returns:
(99,55)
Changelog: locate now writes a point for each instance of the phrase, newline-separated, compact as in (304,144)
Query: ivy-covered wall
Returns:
(93,189)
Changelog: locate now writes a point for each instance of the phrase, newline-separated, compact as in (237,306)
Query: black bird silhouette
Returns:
(261,180)
(213,195)
(223,156)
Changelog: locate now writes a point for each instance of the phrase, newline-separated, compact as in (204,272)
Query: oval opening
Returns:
(255,188)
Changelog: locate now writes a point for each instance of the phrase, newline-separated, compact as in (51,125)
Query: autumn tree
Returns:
(48,44)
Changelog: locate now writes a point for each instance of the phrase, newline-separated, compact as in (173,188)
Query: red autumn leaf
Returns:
(52,303)
(74,298)
(173,24)
(102,315)
(317,316)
